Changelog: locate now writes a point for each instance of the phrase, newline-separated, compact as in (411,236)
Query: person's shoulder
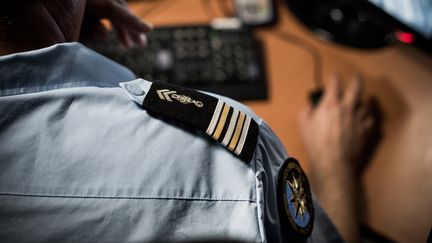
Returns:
(229,122)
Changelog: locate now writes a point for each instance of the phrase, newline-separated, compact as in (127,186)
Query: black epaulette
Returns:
(232,128)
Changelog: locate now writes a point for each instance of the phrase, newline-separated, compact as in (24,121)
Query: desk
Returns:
(398,182)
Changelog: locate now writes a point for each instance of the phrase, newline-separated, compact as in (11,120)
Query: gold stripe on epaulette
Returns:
(245,131)
(237,132)
(215,118)
(231,127)
(221,122)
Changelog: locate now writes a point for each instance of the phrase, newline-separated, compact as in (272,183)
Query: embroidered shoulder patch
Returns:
(295,205)
(232,128)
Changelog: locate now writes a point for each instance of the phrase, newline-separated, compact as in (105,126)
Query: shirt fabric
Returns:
(80,161)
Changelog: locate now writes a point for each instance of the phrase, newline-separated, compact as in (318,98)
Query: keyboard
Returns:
(222,61)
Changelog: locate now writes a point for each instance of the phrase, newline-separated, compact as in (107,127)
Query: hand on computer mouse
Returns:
(340,126)
(338,134)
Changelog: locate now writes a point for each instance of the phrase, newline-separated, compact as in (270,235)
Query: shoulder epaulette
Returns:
(231,127)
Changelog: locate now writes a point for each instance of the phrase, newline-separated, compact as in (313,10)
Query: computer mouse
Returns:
(315,96)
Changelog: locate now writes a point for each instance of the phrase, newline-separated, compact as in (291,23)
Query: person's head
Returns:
(32,24)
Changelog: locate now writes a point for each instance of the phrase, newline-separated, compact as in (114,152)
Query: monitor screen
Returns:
(416,14)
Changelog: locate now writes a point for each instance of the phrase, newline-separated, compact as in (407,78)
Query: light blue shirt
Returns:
(80,161)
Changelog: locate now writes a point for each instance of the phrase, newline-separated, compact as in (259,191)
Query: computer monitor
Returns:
(367,23)
(412,20)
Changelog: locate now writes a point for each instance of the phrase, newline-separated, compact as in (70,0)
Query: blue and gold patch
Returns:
(294,201)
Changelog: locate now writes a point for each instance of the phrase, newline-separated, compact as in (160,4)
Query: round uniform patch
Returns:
(294,200)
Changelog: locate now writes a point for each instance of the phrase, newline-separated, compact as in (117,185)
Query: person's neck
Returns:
(36,26)
(18,44)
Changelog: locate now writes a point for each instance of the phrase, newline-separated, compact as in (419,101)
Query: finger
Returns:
(143,39)
(120,15)
(353,94)
(128,40)
(124,37)
(138,39)
(333,90)
(304,115)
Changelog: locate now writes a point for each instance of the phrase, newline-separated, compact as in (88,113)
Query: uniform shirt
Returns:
(81,162)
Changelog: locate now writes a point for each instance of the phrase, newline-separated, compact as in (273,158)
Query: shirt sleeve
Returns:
(269,158)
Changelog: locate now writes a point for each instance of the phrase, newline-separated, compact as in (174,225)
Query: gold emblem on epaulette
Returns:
(168,95)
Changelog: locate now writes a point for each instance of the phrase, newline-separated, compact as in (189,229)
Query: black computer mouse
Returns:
(315,96)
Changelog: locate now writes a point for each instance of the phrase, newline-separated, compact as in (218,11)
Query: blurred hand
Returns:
(341,132)
(130,29)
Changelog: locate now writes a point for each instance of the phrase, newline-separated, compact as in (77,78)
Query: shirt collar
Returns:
(58,66)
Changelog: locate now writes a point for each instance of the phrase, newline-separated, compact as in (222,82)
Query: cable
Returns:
(313,51)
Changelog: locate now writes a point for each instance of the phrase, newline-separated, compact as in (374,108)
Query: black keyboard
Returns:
(226,62)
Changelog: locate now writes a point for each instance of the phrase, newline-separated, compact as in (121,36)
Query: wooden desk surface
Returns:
(398,182)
